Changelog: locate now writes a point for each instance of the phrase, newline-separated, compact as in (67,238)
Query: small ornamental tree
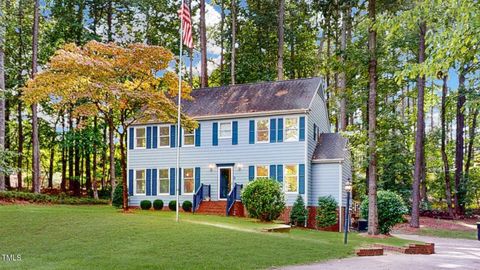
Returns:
(264,199)
(326,211)
(299,213)
(391,209)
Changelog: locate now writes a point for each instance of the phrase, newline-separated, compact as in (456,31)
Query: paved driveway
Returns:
(449,254)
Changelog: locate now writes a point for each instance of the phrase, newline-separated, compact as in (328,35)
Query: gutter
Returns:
(332,160)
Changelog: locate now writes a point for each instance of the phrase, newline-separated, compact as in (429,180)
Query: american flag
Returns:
(184,14)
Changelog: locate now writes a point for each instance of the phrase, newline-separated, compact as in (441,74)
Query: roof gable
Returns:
(330,146)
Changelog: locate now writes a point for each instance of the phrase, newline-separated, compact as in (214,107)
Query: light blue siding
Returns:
(326,181)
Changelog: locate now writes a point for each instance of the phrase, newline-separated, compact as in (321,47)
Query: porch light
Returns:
(348,186)
(239,166)
(211,166)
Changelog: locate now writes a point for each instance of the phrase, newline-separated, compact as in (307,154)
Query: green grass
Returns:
(100,237)
(448,233)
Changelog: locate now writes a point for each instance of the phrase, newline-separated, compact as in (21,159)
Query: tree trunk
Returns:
(109,21)
(94,169)
(281,30)
(372,114)
(446,166)
(112,154)
(88,171)
(203,46)
(19,100)
(76,154)
(2,93)
(342,76)
(471,142)
(50,165)
(35,143)
(7,137)
(460,120)
(419,137)
(234,41)
(222,41)
(104,156)
(70,153)
(64,159)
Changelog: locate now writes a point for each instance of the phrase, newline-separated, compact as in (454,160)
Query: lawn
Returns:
(448,233)
(100,237)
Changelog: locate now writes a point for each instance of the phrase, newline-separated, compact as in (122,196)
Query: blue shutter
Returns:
(215,134)
(301,178)
(235,132)
(273,130)
(181,136)
(130,182)
(148,183)
(172,181)
(154,137)
(280,130)
(130,138)
(180,175)
(197,178)
(198,135)
(314,131)
(172,136)
(273,171)
(149,137)
(251,173)
(154,182)
(302,129)
(280,173)
(251,138)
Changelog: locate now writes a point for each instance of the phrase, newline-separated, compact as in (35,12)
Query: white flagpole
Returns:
(179,115)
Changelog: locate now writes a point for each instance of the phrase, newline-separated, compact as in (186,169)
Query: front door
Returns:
(225,179)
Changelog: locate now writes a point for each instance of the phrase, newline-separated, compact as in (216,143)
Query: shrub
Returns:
(62,198)
(158,204)
(172,205)
(117,200)
(390,207)
(299,213)
(264,199)
(187,206)
(326,211)
(145,204)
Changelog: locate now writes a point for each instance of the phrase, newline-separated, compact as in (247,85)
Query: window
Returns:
(225,130)
(140,182)
(291,129)
(261,171)
(262,130)
(188,138)
(188,182)
(164,181)
(164,136)
(291,178)
(140,138)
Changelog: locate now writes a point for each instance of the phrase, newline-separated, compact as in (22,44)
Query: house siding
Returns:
(278,153)
(326,181)
(346,174)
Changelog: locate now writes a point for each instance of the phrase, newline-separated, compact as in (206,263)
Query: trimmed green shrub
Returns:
(326,211)
(145,204)
(13,196)
(158,204)
(264,199)
(172,205)
(118,196)
(299,213)
(187,206)
(390,207)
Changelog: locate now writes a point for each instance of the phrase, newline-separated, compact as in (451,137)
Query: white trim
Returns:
(308,164)
(135,137)
(268,130)
(285,179)
(159,137)
(135,181)
(183,138)
(333,160)
(285,128)
(231,129)
(261,165)
(340,198)
(158,181)
(218,180)
(183,181)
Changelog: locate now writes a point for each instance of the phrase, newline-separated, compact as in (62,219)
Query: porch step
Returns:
(219,208)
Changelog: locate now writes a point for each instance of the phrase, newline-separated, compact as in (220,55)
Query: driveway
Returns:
(449,254)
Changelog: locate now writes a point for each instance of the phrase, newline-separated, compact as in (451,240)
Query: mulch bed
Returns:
(439,224)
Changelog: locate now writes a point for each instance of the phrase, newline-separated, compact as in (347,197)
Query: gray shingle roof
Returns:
(330,146)
(252,98)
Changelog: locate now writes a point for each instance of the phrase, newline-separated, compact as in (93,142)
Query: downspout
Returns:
(307,167)
(340,197)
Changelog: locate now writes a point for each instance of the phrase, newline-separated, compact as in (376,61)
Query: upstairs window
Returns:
(188,181)
(263,131)
(291,129)
(140,139)
(291,178)
(188,138)
(164,136)
(225,131)
(164,181)
(261,171)
(140,182)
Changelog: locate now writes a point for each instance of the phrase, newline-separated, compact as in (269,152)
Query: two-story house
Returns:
(279,130)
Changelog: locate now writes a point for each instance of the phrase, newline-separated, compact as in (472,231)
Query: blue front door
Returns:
(225,179)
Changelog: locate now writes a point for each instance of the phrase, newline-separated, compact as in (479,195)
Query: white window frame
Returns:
(136,137)
(268,130)
(183,181)
(220,127)
(144,181)
(160,136)
(268,171)
(184,133)
(168,180)
(285,129)
(285,179)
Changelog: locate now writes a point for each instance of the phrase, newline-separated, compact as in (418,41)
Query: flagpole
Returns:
(178,116)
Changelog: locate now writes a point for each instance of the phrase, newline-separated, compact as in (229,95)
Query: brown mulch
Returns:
(439,224)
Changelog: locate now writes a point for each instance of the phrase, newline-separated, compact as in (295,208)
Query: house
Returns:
(274,129)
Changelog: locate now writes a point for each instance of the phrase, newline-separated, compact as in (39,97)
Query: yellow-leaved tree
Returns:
(123,84)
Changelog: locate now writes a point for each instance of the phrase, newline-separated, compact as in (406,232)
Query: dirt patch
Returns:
(438,224)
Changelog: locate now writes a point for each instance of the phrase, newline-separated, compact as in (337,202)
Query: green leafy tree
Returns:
(326,211)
